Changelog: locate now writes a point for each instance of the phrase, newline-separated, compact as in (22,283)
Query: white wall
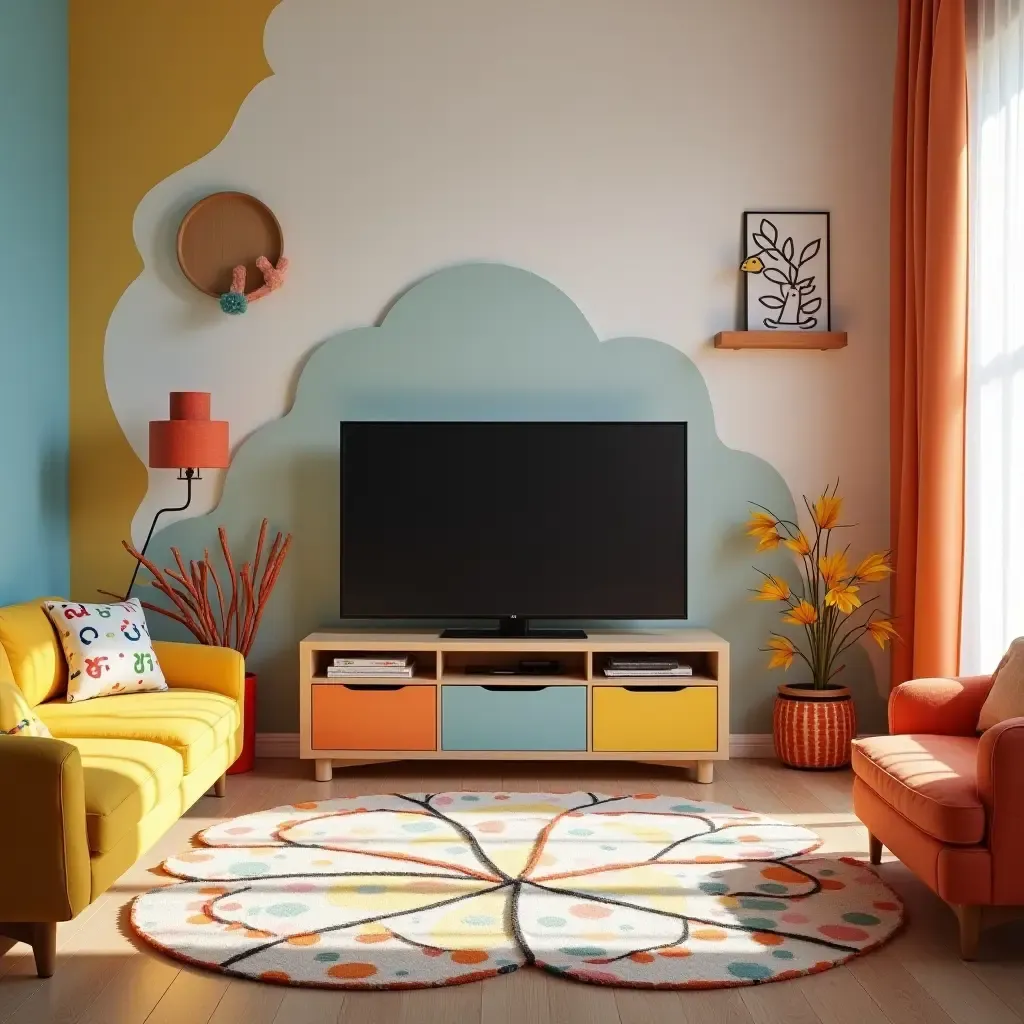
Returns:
(608,146)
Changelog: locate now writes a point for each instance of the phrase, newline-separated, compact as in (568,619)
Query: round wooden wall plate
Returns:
(221,232)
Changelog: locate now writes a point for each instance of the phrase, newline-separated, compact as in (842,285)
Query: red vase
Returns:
(247,757)
(813,728)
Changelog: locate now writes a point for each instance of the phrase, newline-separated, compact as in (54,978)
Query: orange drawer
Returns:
(374,716)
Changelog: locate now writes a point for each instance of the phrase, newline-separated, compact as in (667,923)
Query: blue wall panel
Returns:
(33,299)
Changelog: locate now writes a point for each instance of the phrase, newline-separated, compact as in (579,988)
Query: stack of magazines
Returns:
(398,666)
(646,665)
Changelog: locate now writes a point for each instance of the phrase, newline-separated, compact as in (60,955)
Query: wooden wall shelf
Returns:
(781,339)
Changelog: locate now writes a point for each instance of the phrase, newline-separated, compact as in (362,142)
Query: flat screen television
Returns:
(513,521)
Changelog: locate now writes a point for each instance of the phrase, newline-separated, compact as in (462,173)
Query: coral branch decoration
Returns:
(236,301)
(828,597)
(213,615)
(273,277)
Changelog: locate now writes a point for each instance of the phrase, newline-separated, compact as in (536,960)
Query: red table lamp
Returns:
(188,441)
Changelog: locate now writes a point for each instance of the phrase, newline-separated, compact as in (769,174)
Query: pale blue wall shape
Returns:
(490,342)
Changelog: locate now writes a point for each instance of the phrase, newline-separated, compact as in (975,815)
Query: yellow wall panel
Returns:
(154,84)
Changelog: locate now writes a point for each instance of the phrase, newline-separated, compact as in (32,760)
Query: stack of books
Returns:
(387,666)
(641,665)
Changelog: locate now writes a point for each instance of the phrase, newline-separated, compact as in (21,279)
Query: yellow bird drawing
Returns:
(752,265)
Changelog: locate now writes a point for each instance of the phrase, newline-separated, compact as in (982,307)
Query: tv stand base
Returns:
(533,697)
(325,766)
(469,633)
(703,771)
(511,627)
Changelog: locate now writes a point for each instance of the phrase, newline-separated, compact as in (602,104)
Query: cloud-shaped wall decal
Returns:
(491,342)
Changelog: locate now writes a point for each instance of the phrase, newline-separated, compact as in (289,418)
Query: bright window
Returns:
(994,549)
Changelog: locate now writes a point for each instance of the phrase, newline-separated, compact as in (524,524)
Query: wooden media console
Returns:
(452,709)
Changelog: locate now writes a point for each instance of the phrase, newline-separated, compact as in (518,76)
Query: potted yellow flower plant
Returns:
(813,723)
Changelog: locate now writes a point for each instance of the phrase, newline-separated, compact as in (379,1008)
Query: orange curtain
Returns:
(928,335)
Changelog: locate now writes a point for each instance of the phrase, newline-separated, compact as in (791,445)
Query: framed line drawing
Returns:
(787,277)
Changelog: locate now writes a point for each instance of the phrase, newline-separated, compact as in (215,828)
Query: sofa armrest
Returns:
(45,873)
(942,707)
(1000,770)
(198,667)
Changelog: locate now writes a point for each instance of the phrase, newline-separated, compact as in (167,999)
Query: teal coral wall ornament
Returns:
(234,302)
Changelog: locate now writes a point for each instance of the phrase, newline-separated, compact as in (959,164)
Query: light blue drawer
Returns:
(507,718)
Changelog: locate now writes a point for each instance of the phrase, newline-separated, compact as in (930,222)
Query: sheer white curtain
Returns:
(993,606)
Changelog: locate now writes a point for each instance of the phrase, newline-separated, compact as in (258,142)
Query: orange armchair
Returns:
(944,800)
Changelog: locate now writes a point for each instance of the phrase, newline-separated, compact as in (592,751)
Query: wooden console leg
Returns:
(970,930)
(705,772)
(874,849)
(220,787)
(42,937)
(324,769)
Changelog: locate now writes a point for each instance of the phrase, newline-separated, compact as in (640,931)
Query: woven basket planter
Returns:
(813,728)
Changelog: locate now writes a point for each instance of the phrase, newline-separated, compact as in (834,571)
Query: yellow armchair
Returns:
(120,770)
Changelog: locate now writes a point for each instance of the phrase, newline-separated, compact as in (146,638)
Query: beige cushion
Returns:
(1006,698)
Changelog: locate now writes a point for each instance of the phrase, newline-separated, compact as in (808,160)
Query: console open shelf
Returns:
(495,666)
(425,663)
(457,706)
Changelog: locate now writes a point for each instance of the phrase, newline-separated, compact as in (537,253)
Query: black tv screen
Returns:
(491,520)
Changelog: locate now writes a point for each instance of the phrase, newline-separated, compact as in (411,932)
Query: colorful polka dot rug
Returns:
(419,890)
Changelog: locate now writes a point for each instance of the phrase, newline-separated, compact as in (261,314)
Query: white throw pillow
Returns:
(1006,698)
(107,647)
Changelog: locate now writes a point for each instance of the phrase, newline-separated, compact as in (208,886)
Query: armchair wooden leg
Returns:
(41,936)
(220,787)
(874,849)
(970,930)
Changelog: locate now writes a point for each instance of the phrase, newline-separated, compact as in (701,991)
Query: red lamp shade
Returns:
(189,439)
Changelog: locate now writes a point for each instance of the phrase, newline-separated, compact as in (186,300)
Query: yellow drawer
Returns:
(653,719)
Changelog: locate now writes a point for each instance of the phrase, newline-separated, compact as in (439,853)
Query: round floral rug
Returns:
(417,890)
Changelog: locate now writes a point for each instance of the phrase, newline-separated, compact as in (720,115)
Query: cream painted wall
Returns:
(609,147)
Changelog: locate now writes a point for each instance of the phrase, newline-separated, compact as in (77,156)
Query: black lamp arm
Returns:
(189,476)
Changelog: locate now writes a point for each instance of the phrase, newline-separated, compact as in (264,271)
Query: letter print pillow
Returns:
(107,647)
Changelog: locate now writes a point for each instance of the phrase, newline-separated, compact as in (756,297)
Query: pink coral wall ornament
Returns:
(236,301)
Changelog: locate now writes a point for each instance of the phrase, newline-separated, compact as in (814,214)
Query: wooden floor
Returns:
(105,977)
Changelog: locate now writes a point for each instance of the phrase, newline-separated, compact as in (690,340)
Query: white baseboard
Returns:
(277,744)
(751,744)
(286,744)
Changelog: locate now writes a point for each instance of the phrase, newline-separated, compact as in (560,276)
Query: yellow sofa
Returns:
(80,808)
